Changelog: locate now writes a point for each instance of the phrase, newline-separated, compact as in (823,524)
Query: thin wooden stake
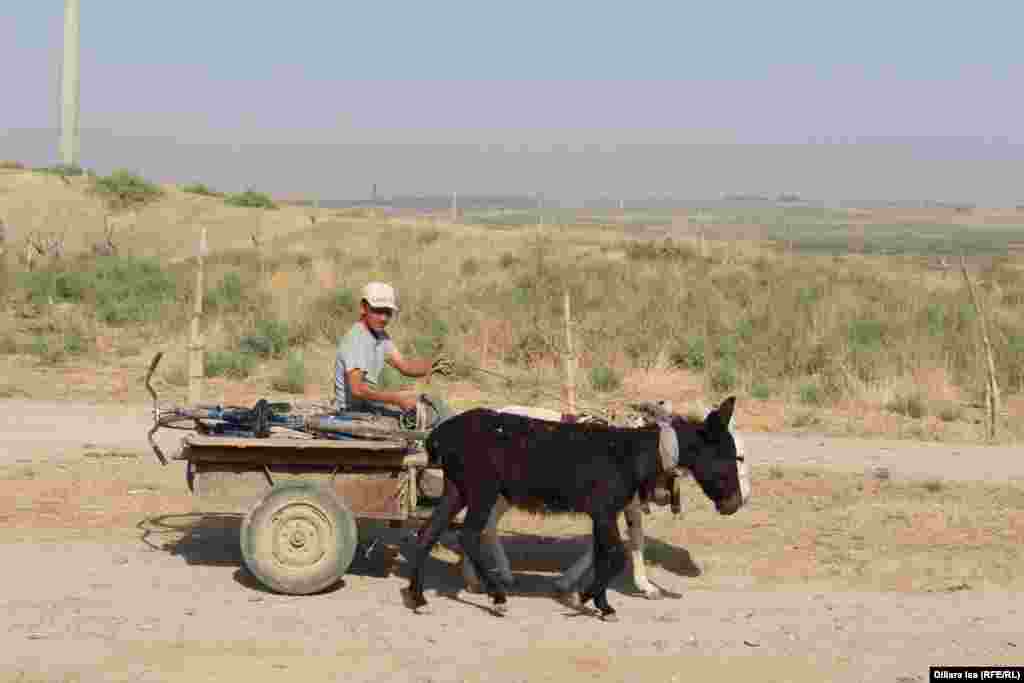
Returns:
(195,358)
(570,363)
(991,385)
(483,347)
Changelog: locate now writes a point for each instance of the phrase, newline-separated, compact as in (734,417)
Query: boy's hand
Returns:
(408,401)
(443,365)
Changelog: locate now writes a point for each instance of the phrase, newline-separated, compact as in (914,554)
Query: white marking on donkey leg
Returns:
(635,530)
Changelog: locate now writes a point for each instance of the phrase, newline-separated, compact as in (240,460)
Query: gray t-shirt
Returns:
(359,348)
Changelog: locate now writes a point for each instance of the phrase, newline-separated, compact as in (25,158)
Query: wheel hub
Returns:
(301,535)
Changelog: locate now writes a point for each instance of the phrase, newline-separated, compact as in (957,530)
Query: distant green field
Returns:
(812,229)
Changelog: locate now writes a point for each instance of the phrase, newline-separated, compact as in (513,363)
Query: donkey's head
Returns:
(710,452)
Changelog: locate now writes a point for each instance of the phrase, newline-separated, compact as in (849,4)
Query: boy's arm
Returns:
(362,390)
(410,367)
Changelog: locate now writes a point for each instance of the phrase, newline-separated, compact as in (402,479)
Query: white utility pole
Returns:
(69,87)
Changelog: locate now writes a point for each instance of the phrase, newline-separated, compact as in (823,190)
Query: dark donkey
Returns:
(560,467)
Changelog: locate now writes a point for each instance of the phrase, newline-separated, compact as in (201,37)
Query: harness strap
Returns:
(668,446)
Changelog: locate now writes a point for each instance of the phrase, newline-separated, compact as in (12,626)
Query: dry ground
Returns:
(114,573)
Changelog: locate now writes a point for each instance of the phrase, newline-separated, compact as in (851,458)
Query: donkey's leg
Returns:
(635,529)
(481,556)
(451,504)
(579,575)
(609,560)
(490,539)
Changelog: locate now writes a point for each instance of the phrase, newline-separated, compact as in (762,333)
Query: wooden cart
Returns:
(302,495)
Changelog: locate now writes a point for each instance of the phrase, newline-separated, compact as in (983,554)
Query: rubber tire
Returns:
(310,508)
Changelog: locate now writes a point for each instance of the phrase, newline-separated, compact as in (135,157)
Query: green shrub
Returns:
(724,378)
(226,295)
(521,296)
(936,320)
(865,335)
(689,353)
(810,393)
(432,340)
(808,295)
(129,289)
(728,346)
(122,288)
(761,392)
(66,170)
(251,199)
(292,378)
(123,189)
(201,189)
(49,354)
(270,338)
(604,378)
(745,329)
(75,342)
(232,364)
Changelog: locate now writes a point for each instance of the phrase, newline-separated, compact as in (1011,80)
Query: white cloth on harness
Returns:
(668,445)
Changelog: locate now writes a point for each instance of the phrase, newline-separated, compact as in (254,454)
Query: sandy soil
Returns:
(113,601)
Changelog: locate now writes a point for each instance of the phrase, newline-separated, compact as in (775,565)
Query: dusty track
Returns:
(131,606)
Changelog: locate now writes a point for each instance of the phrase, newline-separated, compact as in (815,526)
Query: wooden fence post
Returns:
(195,358)
(570,365)
(991,385)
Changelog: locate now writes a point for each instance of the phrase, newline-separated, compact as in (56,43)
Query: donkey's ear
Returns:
(720,417)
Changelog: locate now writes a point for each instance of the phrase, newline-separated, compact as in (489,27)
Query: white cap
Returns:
(380,295)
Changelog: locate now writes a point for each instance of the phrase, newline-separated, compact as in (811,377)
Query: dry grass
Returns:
(850,344)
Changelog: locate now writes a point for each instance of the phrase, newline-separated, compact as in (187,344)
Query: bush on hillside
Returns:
(201,189)
(121,288)
(251,199)
(123,190)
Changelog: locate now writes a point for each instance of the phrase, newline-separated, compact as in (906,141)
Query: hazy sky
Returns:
(567,98)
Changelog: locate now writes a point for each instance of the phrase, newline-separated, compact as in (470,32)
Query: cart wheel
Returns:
(299,539)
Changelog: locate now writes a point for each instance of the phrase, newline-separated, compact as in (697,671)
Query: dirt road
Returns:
(129,606)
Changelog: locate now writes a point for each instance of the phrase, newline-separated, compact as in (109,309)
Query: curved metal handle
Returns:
(149,375)
(156,409)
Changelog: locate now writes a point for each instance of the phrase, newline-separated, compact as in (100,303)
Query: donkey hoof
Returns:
(610,617)
(654,594)
(417,603)
(569,598)
(500,609)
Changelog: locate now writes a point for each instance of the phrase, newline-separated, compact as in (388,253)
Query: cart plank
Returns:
(200,441)
(377,455)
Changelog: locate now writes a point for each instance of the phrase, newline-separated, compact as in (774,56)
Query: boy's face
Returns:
(376,318)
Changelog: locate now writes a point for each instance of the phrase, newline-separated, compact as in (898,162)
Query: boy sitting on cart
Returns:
(360,359)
